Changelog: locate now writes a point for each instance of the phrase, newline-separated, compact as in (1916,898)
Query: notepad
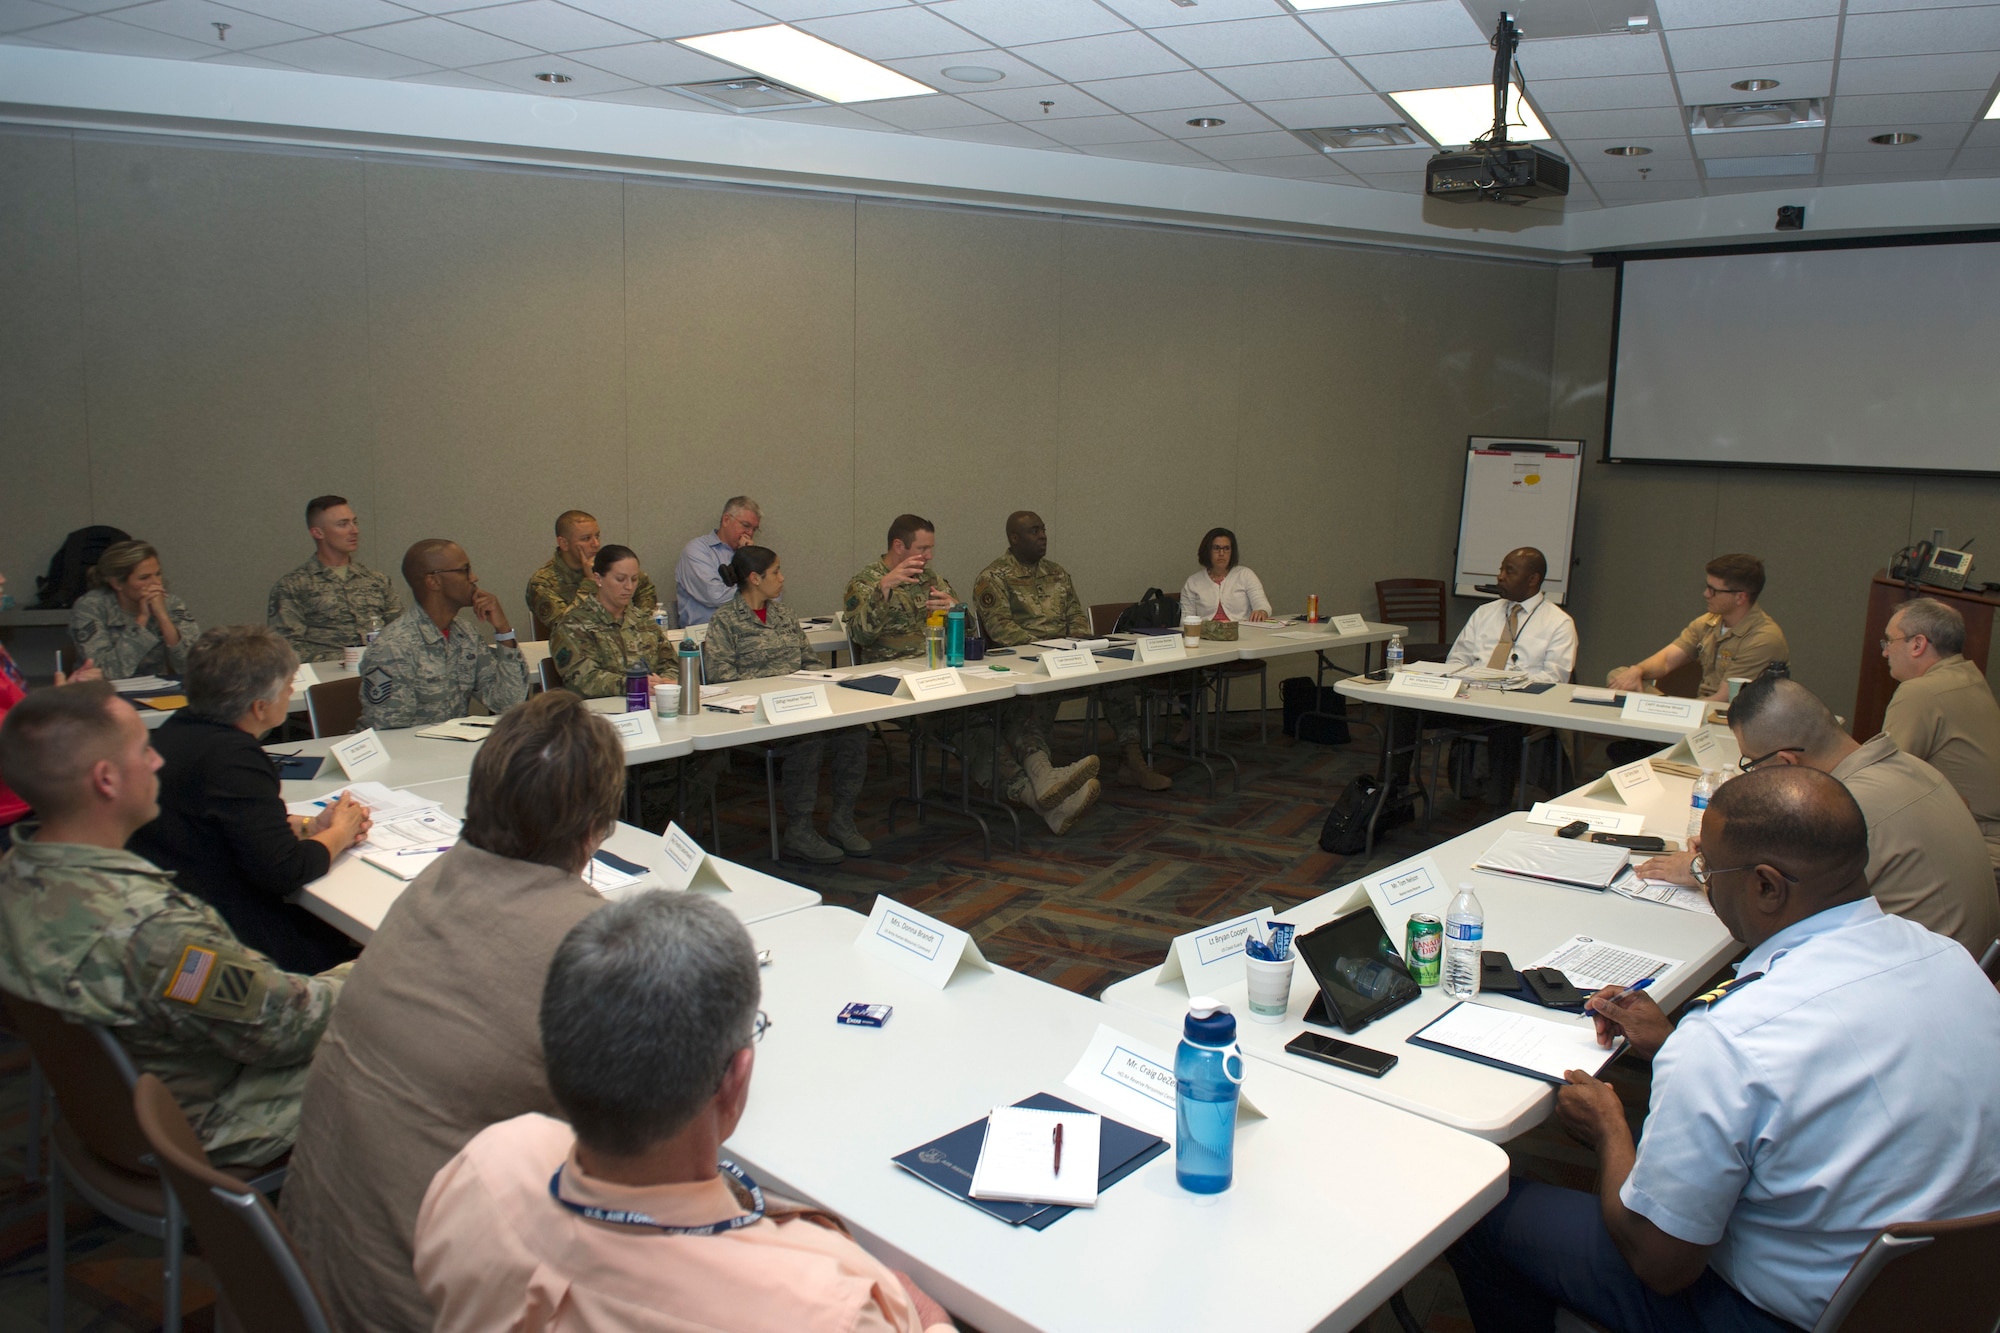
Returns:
(1017,1162)
(947,1163)
(461,729)
(166,703)
(1521,1043)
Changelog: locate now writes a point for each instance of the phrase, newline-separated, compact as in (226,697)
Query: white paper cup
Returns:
(1191,630)
(351,658)
(1736,684)
(1270,988)
(667,702)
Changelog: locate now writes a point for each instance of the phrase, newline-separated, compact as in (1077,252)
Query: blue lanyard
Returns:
(626,1218)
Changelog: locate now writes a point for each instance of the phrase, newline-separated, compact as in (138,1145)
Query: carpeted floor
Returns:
(1081,911)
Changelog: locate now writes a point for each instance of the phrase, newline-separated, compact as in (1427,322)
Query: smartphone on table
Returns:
(1342,1054)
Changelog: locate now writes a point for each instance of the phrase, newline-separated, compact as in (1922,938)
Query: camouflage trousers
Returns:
(800,788)
(1025,724)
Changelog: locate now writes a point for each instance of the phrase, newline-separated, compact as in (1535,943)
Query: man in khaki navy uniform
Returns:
(329,603)
(1732,638)
(565,580)
(102,935)
(1943,711)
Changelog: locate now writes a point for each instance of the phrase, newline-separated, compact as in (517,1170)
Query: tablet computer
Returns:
(1361,976)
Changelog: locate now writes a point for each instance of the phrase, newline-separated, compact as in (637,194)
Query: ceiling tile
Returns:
(337,55)
(1291,78)
(1984,132)
(1977,159)
(1268,143)
(1787,42)
(1592,57)
(1005,134)
(1244,42)
(543,25)
(927,113)
(682,18)
(1812,78)
(1016,22)
(1758,143)
(1404,27)
(119,39)
(1613,171)
(833,117)
(443,43)
(1922,32)
(1237,119)
(1384,161)
(520,74)
(1919,74)
(1790,166)
(16,15)
(1638,90)
(654,97)
(1916,108)
(1164,151)
(1914,160)
(1113,55)
(452,78)
(195,20)
(1015,73)
(1083,130)
(1666,149)
(1756,184)
(1314,113)
(657,63)
(329,15)
(1154,14)
(1317,168)
(447,6)
(1715,13)
(1648,192)
(93,6)
(244,59)
(792,11)
(1628,126)
(1024,104)
(1854,138)
(1449,67)
(1397,182)
(1156,92)
(889,34)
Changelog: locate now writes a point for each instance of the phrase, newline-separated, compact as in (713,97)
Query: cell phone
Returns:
(1551,989)
(1496,973)
(1377,675)
(1342,1054)
(1576,828)
(1635,842)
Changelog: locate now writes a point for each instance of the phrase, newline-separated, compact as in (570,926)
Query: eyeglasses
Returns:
(1702,874)
(1888,639)
(462,569)
(1710,590)
(1747,764)
(760,1027)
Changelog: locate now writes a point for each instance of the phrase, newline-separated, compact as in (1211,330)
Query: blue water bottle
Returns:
(638,688)
(954,637)
(1208,1073)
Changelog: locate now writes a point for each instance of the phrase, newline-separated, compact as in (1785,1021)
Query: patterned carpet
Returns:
(1081,911)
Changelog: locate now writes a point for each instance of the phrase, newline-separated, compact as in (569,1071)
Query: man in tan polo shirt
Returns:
(1732,638)
(1943,712)
(1926,860)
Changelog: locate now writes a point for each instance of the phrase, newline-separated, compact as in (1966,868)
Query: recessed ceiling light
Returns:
(1453,116)
(1627,150)
(550,76)
(1352,138)
(1723,117)
(1895,140)
(1754,85)
(1205,122)
(806,62)
(972,74)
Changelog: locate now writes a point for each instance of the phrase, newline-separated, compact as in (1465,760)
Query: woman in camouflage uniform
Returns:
(598,639)
(755,635)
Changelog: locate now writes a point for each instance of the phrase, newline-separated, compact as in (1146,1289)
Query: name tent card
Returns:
(360,754)
(1135,1079)
(1665,710)
(940,684)
(921,945)
(800,705)
(1161,648)
(1636,784)
(1069,662)
(1600,821)
(1425,685)
(1707,749)
(1208,959)
(1406,881)
(1354,624)
(635,729)
(681,864)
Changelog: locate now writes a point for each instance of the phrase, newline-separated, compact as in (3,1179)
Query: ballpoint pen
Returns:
(422,851)
(1625,994)
(1056,1137)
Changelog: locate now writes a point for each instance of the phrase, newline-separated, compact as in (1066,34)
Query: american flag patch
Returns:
(191,975)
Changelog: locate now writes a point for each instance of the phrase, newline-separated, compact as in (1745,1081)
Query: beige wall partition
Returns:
(202,335)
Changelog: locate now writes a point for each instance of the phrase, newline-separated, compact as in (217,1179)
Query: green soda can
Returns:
(1424,948)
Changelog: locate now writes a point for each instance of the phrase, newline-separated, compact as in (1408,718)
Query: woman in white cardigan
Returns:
(1222,589)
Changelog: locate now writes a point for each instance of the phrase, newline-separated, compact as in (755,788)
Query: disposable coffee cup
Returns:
(1270,988)
(667,702)
(1736,684)
(1191,630)
(351,658)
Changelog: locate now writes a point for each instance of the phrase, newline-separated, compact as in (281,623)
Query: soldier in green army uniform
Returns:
(889,602)
(1023,596)
(332,601)
(754,635)
(602,635)
(103,936)
(565,579)
(429,664)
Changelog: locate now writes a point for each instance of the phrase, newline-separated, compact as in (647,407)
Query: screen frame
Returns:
(1353,1020)
(1618,260)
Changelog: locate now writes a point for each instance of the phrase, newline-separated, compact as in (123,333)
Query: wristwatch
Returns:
(508,637)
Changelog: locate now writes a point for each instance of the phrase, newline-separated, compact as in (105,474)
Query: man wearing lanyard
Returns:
(626,1217)
(1520,631)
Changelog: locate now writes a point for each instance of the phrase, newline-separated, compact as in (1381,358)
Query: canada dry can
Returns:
(1425,948)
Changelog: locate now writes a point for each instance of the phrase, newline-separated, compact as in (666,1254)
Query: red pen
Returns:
(1057,1137)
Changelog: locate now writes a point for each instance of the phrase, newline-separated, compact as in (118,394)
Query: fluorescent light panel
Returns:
(807,63)
(1455,116)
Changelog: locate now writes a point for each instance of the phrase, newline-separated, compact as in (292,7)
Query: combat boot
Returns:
(1053,785)
(1136,772)
(1062,817)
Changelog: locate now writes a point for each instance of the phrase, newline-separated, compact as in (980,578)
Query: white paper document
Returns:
(1666,893)
(1542,1047)
(1600,821)
(728,703)
(1072,644)
(607,878)
(461,729)
(1020,1161)
(1593,964)
(1534,855)
(142,684)
(383,803)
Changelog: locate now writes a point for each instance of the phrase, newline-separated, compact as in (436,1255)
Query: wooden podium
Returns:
(1885,594)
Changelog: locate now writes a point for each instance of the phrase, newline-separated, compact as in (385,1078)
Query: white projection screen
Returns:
(1863,357)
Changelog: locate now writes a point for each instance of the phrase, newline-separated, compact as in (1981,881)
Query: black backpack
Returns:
(1346,829)
(69,571)
(1153,610)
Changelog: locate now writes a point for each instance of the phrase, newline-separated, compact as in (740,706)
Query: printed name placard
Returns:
(360,754)
(1600,821)
(1212,957)
(1425,685)
(798,705)
(681,864)
(305,676)
(1354,624)
(1665,710)
(1406,880)
(1707,749)
(1636,784)
(1134,1080)
(1160,648)
(1069,662)
(939,684)
(635,729)
(921,945)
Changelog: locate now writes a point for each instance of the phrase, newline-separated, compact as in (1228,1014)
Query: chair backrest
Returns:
(334,707)
(535,625)
(1942,1277)
(265,1286)
(1684,681)
(1104,616)
(1412,602)
(551,678)
(92,1077)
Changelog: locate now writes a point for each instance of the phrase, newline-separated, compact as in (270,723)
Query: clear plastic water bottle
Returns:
(638,687)
(660,619)
(954,637)
(1704,788)
(688,658)
(934,641)
(1464,933)
(374,629)
(1208,1073)
(1392,656)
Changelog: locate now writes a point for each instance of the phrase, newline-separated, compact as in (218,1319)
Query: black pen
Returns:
(1057,1137)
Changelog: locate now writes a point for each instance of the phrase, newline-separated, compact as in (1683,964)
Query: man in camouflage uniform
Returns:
(430,662)
(329,602)
(889,602)
(564,581)
(102,935)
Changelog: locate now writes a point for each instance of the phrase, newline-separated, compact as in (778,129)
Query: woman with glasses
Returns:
(1223,588)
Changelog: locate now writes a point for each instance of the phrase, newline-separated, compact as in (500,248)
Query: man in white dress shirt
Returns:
(1521,630)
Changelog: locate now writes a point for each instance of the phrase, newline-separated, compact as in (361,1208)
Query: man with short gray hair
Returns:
(698,585)
(1943,711)
(649,1022)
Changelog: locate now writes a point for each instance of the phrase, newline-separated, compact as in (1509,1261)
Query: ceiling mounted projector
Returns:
(1491,168)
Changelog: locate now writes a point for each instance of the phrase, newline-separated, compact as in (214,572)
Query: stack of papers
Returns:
(409,832)
(1491,678)
(143,684)
(1593,964)
(1017,1163)
(1666,893)
(461,729)
(1543,1048)
(1068,645)
(609,874)
(1572,864)
(729,703)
